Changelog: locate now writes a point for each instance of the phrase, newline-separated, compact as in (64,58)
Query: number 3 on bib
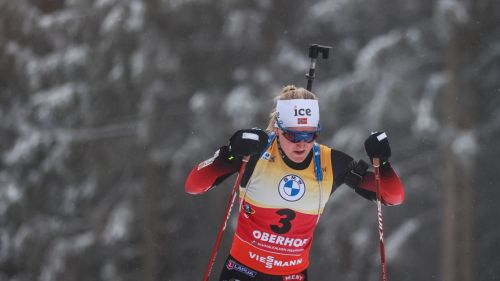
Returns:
(285,221)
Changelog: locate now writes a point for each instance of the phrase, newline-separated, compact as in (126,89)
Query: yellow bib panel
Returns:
(279,211)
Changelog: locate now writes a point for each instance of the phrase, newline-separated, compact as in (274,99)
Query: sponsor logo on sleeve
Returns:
(208,161)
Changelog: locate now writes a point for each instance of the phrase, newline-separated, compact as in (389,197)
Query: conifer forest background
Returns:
(106,105)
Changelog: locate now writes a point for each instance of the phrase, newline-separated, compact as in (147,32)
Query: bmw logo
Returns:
(291,188)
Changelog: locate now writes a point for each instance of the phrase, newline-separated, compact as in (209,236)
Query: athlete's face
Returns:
(297,152)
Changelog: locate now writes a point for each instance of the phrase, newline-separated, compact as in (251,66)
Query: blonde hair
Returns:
(289,92)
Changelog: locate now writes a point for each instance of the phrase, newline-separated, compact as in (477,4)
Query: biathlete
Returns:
(286,184)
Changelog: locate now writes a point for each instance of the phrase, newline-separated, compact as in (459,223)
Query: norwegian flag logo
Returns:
(302,121)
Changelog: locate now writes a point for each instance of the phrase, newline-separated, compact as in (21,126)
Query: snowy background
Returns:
(106,105)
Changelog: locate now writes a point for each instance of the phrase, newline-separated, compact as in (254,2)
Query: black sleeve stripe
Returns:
(340,167)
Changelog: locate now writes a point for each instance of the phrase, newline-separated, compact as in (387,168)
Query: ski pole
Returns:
(314,51)
(376,167)
(226,218)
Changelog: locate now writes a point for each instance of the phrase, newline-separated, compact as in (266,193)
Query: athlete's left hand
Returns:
(377,146)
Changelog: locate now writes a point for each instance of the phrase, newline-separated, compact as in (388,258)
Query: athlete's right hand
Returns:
(248,142)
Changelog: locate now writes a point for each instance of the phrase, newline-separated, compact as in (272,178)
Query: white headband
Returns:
(297,113)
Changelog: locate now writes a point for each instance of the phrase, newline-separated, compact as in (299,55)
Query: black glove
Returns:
(377,146)
(248,142)
(356,171)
